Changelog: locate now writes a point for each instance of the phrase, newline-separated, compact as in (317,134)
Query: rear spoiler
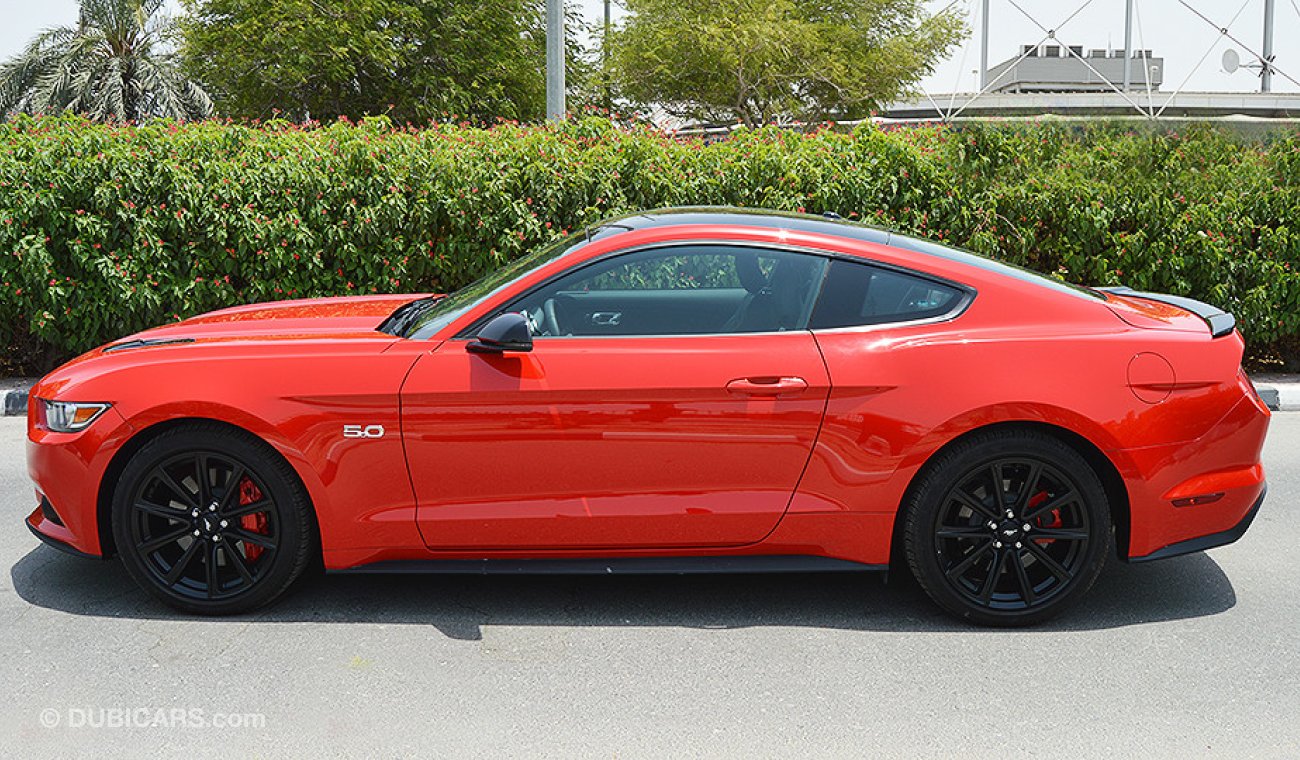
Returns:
(1221,322)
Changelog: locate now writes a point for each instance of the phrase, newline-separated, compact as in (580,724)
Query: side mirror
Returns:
(507,332)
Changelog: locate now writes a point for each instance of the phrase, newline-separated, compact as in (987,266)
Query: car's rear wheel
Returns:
(211,520)
(1008,527)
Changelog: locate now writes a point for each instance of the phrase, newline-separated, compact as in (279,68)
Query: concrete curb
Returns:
(1280,397)
(1281,392)
(13,392)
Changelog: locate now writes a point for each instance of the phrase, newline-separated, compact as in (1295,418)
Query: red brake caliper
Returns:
(254,523)
(1050,520)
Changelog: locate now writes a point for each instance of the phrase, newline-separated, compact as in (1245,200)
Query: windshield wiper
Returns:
(400,321)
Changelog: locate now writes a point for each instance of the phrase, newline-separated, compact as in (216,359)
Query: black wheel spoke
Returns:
(975,506)
(178,569)
(154,544)
(1029,487)
(1022,577)
(1055,502)
(1059,534)
(262,505)
(177,488)
(1051,564)
(236,558)
(995,473)
(266,542)
(977,531)
(168,513)
(210,561)
(231,496)
(995,571)
(201,473)
(961,567)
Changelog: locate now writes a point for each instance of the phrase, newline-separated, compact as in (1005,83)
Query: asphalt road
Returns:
(1195,656)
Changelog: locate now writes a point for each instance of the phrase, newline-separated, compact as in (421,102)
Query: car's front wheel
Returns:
(211,520)
(1007,527)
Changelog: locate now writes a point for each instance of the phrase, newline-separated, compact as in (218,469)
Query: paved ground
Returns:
(1197,656)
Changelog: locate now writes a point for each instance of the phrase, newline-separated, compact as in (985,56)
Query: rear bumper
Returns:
(1193,495)
(1202,543)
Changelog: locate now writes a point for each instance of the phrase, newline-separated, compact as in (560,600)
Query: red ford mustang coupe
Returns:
(676,391)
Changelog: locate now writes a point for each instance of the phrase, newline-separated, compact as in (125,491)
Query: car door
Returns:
(671,399)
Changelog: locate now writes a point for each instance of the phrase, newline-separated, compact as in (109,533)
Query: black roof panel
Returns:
(751,217)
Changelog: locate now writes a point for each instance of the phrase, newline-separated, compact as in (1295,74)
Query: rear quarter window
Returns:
(862,294)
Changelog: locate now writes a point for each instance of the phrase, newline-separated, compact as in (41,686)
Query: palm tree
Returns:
(118,63)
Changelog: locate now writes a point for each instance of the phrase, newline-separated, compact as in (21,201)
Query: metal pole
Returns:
(1128,44)
(1266,73)
(555,59)
(984,45)
(604,58)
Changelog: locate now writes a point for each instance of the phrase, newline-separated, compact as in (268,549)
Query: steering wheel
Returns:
(549,308)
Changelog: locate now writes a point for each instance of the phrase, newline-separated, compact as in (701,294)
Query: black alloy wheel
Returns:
(1008,528)
(211,521)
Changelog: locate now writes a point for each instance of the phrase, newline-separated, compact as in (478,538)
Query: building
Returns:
(1054,68)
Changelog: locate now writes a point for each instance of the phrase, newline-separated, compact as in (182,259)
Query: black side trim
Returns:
(1207,542)
(57,544)
(619,565)
(1221,322)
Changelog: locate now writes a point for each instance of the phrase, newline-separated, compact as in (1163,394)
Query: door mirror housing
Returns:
(505,332)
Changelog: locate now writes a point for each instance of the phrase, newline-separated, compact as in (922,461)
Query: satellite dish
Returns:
(1231,61)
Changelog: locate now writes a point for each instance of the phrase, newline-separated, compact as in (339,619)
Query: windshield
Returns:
(437,314)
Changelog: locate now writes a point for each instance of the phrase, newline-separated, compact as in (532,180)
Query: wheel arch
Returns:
(147,433)
(1107,471)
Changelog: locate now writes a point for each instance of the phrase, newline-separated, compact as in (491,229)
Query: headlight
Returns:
(70,416)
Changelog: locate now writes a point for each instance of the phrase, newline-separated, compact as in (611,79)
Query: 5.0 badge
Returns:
(363,431)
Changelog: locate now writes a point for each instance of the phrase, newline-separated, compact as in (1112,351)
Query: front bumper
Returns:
(1201,543)
(48,531)
(67,469)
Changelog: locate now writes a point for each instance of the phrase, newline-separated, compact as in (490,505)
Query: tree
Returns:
(119,62)
(761,61)
(411,59)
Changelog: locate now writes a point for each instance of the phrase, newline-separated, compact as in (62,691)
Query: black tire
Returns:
(226,544)
(1012,554)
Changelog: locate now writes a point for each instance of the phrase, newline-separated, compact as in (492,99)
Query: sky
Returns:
(1165,27)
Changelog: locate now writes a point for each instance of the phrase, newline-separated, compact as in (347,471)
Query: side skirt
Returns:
(619,565)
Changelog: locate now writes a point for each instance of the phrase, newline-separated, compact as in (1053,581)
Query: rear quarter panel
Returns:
(1018,354)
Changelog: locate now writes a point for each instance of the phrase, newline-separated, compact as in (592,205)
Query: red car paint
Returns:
(669,446)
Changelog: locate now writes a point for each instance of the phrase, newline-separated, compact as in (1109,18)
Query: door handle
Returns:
(607,318)
(767,386)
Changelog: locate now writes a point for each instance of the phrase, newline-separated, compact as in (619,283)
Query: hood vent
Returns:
(145,343)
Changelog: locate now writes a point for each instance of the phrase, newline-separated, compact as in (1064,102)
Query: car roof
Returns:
(725,215)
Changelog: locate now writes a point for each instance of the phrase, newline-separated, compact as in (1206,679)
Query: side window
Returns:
(678,290)
(861,294)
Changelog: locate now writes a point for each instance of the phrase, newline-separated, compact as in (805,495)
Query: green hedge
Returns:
(105,230)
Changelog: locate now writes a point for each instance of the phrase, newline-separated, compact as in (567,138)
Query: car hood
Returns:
(334,318)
